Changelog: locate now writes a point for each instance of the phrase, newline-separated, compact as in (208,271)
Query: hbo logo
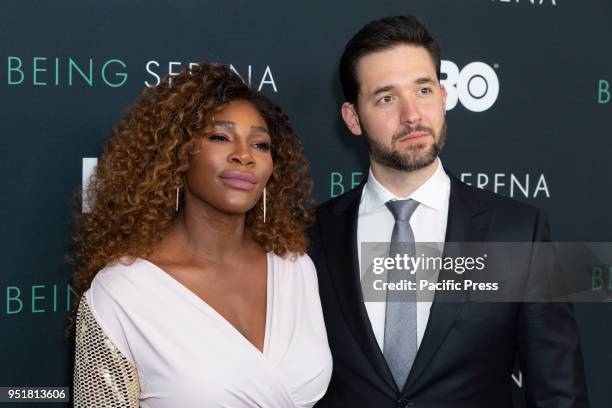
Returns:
(476,86)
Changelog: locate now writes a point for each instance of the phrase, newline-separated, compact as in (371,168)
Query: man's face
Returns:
(400,108)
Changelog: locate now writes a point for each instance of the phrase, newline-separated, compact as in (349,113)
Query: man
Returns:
(424,354)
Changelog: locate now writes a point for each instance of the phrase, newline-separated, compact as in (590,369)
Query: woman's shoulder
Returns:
(125,268)
(110,298)
(119,279)
(295,261)
(298,268)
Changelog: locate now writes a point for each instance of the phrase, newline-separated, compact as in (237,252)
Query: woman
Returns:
(204,296)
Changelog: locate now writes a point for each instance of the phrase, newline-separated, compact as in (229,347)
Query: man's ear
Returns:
(351,119)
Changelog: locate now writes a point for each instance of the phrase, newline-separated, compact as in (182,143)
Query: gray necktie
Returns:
(400,344)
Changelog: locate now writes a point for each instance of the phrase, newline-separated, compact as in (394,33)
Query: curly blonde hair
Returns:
(132,192)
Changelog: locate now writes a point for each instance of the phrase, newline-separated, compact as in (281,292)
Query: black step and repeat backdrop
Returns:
(530,102)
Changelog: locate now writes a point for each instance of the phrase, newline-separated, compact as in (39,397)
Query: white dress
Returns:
(177,351)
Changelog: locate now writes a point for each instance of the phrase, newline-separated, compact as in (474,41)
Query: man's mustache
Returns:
(410,129)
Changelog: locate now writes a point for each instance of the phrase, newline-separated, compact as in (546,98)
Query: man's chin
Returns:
(418,158)
(419,163)
(407,162)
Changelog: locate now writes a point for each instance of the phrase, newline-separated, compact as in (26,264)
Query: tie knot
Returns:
(402,210)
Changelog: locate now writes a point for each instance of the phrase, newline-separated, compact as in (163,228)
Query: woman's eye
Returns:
(218,138)
(262,146)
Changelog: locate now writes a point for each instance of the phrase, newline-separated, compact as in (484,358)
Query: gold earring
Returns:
(177,198)
(264,204)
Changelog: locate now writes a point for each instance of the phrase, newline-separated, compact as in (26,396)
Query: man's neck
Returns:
(403,183)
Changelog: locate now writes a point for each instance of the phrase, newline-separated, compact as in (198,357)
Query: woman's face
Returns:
(233,162)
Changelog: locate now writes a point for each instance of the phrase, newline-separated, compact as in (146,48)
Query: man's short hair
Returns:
(380,35)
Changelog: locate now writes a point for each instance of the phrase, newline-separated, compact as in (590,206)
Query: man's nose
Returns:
(410,112)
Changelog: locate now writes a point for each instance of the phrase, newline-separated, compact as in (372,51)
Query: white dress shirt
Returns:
(428,223)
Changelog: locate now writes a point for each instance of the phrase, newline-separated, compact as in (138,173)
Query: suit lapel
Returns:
(341,250)
(468,221)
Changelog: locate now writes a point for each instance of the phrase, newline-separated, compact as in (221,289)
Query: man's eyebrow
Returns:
(228,124)
(387,88)
(423,80)
(381,89)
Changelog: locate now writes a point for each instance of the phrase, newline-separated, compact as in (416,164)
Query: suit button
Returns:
(404,403)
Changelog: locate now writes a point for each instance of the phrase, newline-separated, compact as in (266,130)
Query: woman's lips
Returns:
(240,180)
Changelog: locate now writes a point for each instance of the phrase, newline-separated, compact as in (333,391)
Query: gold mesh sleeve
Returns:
(103,377)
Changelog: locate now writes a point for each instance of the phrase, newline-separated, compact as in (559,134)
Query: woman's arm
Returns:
(103,377)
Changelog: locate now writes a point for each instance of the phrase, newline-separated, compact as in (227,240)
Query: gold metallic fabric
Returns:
(103,377)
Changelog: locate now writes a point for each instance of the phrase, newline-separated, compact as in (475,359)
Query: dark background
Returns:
(549,121)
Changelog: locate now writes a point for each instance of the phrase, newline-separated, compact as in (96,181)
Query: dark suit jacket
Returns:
(468,350)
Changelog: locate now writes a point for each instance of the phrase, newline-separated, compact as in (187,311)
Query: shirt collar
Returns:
(429,193)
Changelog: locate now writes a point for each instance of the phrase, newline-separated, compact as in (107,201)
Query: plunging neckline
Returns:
(269,295)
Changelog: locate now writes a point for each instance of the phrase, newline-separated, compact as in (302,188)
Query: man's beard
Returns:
(414,157)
